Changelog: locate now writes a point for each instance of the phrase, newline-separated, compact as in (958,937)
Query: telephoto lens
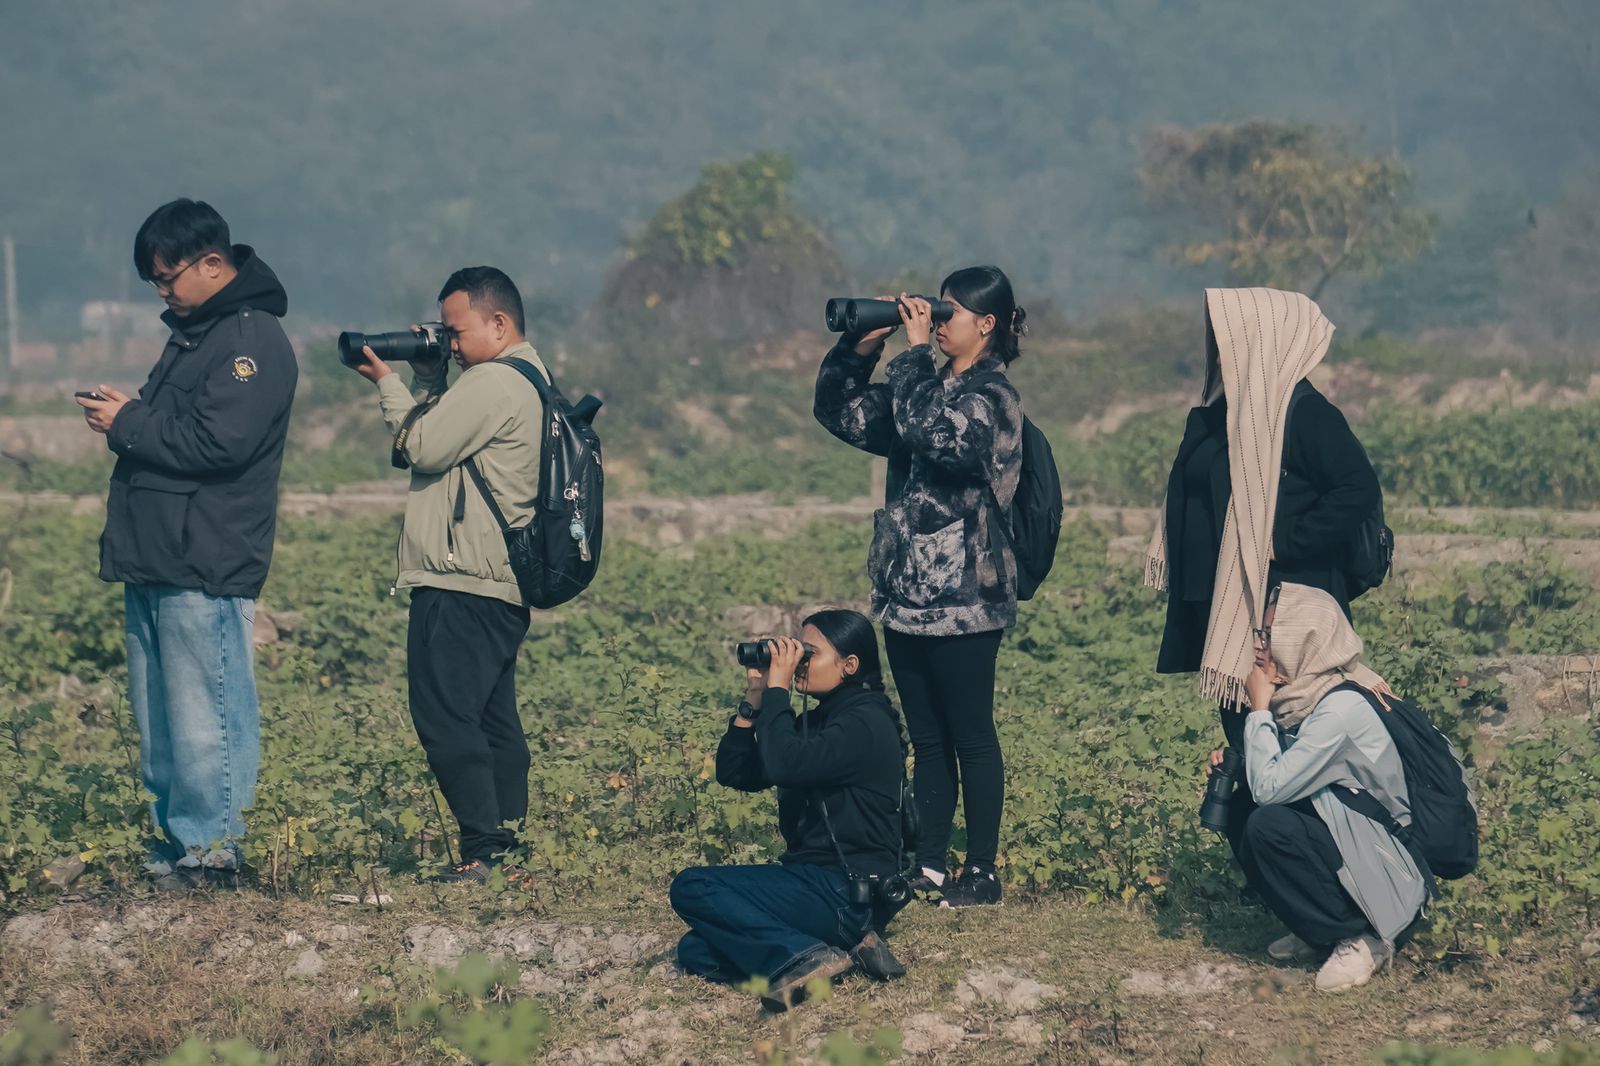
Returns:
(428,344)
(1219,791)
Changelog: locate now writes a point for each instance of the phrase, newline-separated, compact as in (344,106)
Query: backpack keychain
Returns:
(578,531)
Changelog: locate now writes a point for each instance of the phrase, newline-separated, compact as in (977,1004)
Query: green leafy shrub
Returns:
(626,692)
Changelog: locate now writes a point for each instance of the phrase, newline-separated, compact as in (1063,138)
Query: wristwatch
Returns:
(746,711)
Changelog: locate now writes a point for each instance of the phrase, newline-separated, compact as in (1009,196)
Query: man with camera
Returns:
(478,437)
(190,522)
(839,769)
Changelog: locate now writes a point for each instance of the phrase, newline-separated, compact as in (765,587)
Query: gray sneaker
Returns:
(1292,949)
(175,880)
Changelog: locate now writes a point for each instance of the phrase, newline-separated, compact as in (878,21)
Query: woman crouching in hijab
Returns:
(1341,882)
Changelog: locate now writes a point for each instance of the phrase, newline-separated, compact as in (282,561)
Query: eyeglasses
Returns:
(1264,634)
(166,281)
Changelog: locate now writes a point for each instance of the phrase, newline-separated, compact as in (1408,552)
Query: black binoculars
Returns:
(757,654)
(856,314)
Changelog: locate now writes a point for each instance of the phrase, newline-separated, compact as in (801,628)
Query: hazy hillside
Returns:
(368,148)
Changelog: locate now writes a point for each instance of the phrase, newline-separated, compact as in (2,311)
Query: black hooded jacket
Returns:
(194,494)
(844,752)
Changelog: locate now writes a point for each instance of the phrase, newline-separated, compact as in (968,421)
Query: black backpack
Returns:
(1444,819)
(1368,558)
(556,555)
(1033,524)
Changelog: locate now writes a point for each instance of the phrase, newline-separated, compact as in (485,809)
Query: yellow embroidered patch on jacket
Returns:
(244,368)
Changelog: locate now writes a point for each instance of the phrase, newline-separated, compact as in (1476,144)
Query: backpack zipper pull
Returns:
(577,529)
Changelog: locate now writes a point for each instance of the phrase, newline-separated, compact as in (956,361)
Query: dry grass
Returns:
(133,979)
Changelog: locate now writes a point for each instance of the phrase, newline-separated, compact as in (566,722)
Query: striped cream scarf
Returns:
(1259,344)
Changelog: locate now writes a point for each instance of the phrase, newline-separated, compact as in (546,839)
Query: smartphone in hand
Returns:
(91,395)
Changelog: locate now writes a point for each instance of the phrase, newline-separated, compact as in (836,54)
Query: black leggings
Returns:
(946,687)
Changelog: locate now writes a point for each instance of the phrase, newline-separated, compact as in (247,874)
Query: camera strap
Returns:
(822,804)
(816,797)
(397,453)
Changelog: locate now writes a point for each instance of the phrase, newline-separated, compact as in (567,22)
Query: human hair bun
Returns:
(1019,321)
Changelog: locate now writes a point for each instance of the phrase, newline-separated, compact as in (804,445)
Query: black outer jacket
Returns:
(1326,489)
(846,752)
(194,494)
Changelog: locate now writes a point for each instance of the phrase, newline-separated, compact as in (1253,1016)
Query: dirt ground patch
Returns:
(1033,981)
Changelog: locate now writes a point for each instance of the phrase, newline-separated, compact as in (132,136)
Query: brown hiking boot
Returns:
(875,959)
(788,986)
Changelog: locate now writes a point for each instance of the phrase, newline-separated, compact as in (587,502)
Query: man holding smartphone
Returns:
(190,522)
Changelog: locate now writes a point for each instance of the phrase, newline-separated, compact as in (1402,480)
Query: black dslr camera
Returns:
(757,654)
(428,343)
(1219,791)
(892,892)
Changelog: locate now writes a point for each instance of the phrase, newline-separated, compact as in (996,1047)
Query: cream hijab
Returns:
(1315,647)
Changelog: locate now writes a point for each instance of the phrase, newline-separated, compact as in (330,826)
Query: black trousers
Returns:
(946,687)
(1291,859)
(461,658)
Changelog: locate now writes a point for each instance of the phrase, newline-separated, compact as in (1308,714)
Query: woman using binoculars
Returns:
(839,769)
(943,573)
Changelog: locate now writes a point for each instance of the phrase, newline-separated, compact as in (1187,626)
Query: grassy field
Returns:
(1110,879)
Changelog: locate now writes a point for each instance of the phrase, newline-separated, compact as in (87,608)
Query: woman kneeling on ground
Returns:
(838,768)
(1313,742)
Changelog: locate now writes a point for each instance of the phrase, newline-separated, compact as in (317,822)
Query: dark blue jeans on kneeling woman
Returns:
(752,921)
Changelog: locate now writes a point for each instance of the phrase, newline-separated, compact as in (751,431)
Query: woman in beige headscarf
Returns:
(1341,882)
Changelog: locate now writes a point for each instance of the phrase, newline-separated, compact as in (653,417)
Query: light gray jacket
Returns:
(491,415)
(1342,744)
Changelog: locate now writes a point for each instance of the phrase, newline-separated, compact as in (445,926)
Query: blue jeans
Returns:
(193,690)
(749,921)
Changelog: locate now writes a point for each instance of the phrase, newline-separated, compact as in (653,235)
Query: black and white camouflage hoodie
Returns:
(939,564)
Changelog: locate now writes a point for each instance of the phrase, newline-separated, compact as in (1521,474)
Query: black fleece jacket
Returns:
(844,752)
(194,494)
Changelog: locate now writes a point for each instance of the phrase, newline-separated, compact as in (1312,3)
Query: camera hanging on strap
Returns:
(887,896)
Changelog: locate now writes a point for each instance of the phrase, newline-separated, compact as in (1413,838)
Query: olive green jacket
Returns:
(491,414)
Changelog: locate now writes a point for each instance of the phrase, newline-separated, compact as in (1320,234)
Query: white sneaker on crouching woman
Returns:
(1353,963)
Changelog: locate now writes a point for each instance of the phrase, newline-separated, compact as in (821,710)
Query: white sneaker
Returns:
(1291,949)
(1353,963)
